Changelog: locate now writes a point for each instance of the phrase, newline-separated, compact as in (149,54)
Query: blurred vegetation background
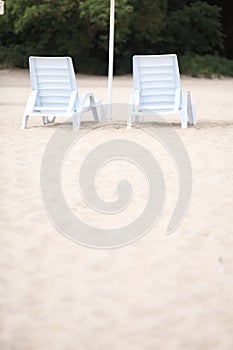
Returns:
(199,32)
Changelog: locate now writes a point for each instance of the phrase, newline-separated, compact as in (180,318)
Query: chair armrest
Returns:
(82,101)
(31,102)
(83,107)
(178,99)
(72,101)
(136,97)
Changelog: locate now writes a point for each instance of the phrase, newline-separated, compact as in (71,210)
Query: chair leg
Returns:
(129,121)
(194,114)
(130,115)
(95,114)
(191,110)
(183,112)
(93,109)
(52,120)
(184,124)
(76,121)
(102,113)
(138,118)
(45,120)
(24,121)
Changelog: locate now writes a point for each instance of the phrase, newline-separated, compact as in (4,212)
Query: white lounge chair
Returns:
(54,92)
(157,89)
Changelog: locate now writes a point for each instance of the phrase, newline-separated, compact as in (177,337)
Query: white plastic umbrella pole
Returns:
(111,56)
(1,7)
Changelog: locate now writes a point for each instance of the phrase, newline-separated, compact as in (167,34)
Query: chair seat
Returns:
(162,108)
(50,109)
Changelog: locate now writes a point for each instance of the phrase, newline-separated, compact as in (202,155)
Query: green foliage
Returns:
(37,28)
(80,29)
(146,23)
(195,28)
(148,20)
(95,14)
(207,66)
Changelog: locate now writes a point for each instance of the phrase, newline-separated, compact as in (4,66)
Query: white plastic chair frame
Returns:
(157,90)
(54,92)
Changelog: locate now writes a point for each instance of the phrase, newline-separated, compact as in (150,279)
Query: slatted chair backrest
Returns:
(54,79)
(157,78)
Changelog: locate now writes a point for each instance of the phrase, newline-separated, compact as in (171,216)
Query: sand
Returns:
(163,292)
